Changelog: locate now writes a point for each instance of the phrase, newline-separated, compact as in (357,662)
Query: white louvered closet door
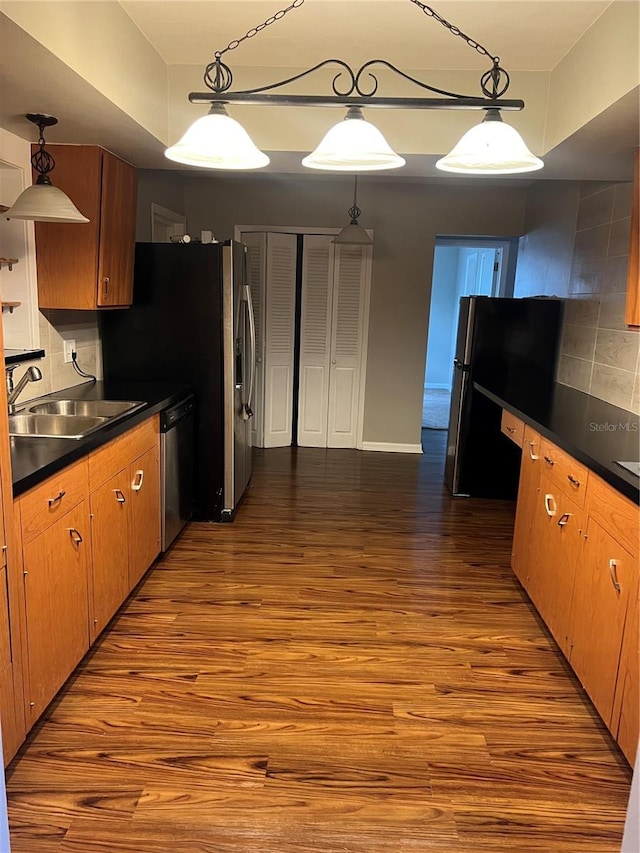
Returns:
(257,243)
(279,341)
(315,341)
(350,279)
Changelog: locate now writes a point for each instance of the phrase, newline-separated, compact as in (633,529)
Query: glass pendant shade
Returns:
(353,235)
(490,148)
(353,145)
(217,141)
(43,202)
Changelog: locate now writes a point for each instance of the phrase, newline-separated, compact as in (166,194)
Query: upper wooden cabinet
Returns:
(89,266)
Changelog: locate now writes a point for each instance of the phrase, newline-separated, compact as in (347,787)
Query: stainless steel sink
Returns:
(86,408)
(54,426)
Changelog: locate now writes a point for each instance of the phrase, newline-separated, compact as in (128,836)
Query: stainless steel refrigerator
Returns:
(192,322)
(502,344)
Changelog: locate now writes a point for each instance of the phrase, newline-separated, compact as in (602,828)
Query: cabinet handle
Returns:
(549,460)
(75,536)
(136,486)
(120,496)
(613,571)
(564,519)
(532,455)
(106,281)
(550,505)
(511,430)
(57,498)
(574,482)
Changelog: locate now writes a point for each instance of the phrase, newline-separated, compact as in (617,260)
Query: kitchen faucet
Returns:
(32,374)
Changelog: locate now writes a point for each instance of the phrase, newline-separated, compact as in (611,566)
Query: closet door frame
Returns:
(297,229)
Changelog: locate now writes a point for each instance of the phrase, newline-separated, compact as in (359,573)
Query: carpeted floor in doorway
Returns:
(435,408)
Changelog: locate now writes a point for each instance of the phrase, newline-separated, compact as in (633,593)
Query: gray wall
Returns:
(164,188)
(406,217)
(576,244)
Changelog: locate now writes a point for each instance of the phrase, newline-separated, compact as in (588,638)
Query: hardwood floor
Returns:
(350,667)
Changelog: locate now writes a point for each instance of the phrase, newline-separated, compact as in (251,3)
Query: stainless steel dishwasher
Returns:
(177,467)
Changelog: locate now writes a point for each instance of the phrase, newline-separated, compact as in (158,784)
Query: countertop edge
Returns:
(74,449)
(607,474)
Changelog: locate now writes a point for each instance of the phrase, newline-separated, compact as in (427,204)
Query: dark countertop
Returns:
(17,356)
(592,431)
(35,459)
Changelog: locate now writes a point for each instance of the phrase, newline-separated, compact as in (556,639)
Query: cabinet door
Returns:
(144,540)
(556,543)
(117,232)
(110,547)
(602,589)
(626,713)
(56,567)
(526,505)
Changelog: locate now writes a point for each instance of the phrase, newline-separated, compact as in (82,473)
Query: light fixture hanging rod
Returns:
(355,101)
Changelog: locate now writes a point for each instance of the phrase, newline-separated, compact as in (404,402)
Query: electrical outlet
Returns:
(69,348)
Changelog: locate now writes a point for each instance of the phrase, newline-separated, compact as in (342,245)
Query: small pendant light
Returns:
(490,148)
(43,202)
(217,141)
(353,234)
(353,145)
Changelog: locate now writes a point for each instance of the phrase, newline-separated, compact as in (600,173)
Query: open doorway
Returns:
(462,266)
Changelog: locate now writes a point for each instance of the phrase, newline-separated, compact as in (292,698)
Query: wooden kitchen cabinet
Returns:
(605,580)
(526,505)
(556,543)
(110,548)
(144,539)
(89,265)
(56,570)
(625,723)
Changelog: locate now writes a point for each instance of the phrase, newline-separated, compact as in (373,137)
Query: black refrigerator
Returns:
(504,345)
(191,322)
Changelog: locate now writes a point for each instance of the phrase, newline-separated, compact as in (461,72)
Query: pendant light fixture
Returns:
(353,234)
(490,148)
(43,202)
(353,144)
(217,141)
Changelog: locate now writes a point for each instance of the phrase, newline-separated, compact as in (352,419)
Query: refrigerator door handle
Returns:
(252,333)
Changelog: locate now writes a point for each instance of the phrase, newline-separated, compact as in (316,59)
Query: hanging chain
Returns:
(255,30)
(41,160)
(456,31)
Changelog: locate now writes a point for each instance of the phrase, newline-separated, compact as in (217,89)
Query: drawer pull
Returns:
(550,505)
(511,430)
(573,480)
(549,460)
(120,496)
(57,498)
(532,455)
(137,483)
(564,519)
(613,571)
(75,536)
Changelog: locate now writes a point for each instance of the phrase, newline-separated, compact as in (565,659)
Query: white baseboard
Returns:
(389,447)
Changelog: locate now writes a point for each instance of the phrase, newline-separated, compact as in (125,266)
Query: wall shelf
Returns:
(9,262)
(9,306)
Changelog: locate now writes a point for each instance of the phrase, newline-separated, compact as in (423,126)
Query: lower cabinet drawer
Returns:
(567,474)
(43,505)
(103,463)
(512,427)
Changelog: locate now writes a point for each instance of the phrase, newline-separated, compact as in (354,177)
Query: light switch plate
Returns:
(69,348)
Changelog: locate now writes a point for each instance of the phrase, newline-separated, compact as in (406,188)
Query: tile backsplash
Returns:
(599,353)
(55,328)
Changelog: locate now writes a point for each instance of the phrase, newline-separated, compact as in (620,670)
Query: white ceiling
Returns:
(526,34)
